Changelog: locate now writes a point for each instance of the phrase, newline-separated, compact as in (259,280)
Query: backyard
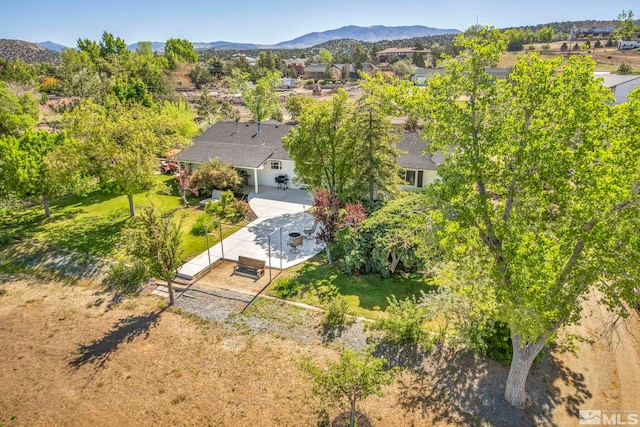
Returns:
(94,224)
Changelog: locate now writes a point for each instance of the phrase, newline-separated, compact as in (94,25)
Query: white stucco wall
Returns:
(622,90)
(267,176)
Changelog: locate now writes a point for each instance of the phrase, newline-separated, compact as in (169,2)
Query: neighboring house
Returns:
(417,167)
(315,71)
(297,64)
(620,85)
(254,149)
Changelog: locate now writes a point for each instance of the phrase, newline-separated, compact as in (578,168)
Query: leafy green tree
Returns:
(374,143)
(200,75)
(358,56)
(41,165)
(228,209)
(320,145)
(539,190)
(515,39)
(324,56)
(404,68)
(417,59)
(394,239)
(262,99)
(354,377)
(155,242)
(17,112)
(123,142)
(545,34)
(132,90)
(296,104)
(179,50)
(626,28)
(16,71)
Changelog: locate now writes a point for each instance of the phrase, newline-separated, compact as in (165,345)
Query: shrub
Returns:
(286,287)
(199,227)
(5,238)
(405,323)
(624,69)
(126,279)
(545,47)
(215,175)
(564,47)
(337,314)
(498,342)
(326,291)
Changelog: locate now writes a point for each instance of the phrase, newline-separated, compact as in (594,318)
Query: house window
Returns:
(408,177)
(276,165)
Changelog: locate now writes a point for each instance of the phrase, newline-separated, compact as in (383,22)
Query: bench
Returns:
(249,267)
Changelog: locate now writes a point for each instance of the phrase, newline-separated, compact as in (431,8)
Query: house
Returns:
(254,149)
(417,167)
(620,85)
(297,64)
(315,71)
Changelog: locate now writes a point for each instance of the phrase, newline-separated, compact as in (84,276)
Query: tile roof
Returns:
(244,147)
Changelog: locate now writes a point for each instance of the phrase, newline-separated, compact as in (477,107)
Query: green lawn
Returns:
(94,224)
(365,294)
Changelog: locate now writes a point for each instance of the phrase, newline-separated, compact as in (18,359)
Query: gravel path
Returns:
(266,314)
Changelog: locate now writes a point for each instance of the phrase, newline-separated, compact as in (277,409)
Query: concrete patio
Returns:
(279,213)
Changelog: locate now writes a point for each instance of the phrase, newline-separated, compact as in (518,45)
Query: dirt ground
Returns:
(72,356)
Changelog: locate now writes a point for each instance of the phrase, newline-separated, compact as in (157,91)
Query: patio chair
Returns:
(297,241)
(310,231)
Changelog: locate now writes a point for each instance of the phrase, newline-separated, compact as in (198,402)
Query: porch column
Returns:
(255,181)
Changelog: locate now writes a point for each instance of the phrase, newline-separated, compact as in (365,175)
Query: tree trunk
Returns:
(45,202)
(131,211)
(521,362)
(170,288)
(352,423)
(329,259)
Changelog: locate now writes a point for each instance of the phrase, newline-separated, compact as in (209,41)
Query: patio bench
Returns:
(249,267)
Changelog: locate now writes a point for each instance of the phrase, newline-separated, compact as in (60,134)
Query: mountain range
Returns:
(366,34)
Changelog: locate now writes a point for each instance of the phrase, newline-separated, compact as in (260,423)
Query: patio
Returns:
(279,212)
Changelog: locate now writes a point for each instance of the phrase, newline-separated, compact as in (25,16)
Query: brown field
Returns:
(71,357)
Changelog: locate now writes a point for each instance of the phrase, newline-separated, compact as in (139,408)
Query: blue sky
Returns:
(271,21)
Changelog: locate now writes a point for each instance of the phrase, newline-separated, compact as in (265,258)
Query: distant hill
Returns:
(27,51)
(366,34)
(52,46)
(220,45)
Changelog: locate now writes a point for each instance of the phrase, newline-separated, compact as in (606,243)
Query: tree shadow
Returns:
(123,331)
(343,420)
(401,355)
(464,388)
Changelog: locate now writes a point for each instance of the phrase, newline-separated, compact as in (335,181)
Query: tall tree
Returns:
(156,243)
(41,164)
(262,99)
(325,57)
(123,142)
(540,190)
(179,50)
(17,112)
(321,147)
(374,143)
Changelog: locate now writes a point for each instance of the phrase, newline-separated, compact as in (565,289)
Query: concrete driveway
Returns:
(279,213)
